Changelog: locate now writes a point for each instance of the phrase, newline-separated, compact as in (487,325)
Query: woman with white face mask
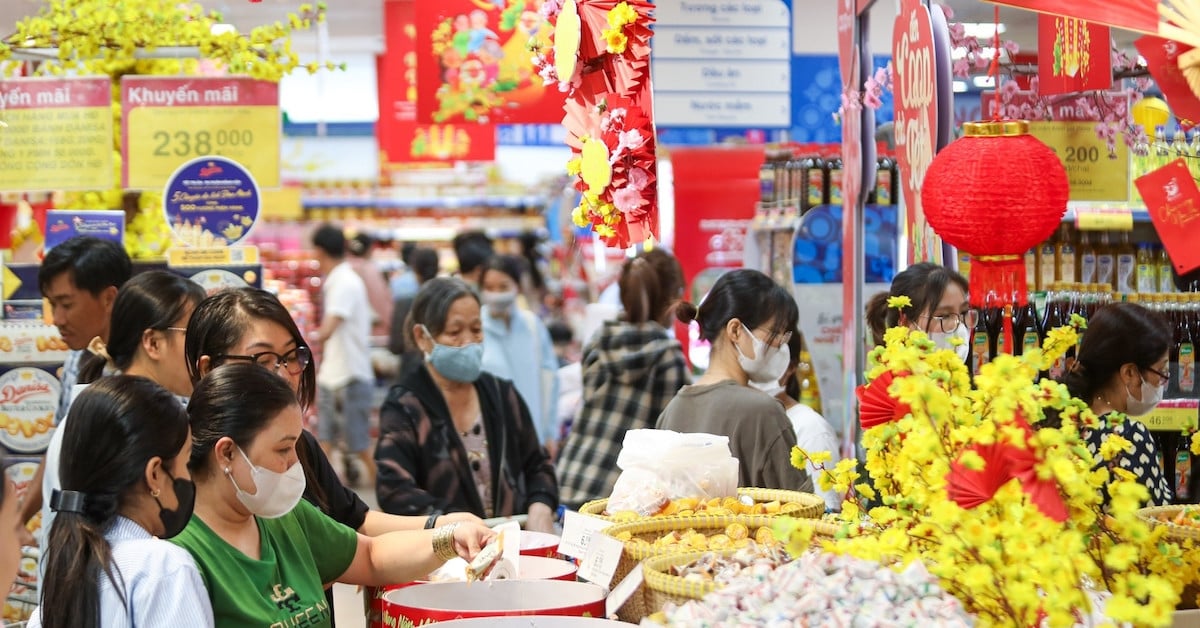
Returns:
(1122,367)
(939,307)
(265,554)
(517,345)
(748,319)
(453,437)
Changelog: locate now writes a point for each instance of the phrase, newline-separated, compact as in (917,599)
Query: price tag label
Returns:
(578,532)
(58,134)
(624,591)
(1104,220)
(600,562)
(1093,174)
(167,122)
(212,256)
(1170,419)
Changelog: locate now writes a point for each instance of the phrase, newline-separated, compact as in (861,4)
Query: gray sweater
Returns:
(760,436)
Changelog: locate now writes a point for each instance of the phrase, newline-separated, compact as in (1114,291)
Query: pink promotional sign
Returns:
(916,114)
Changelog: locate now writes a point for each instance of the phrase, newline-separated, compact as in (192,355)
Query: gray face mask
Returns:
(500,302)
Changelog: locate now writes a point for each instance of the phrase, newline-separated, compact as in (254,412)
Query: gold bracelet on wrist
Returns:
(443,542)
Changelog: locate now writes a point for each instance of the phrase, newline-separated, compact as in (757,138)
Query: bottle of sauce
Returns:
(812,173)
(1106,262)
(1065,255)
(1026,332)
(981,340)
(1087,259)
(1031,270)
(833,179)
(1185,372)
(1166,271)
(1047,264)
(1126,265)
(766,182)
(1147,270)
(1055,317)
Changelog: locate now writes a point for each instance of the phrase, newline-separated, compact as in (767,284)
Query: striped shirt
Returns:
(162,585)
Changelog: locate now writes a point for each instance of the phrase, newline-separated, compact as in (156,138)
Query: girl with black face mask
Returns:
(125,486)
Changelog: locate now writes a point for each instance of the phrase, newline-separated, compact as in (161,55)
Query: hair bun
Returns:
(686,312)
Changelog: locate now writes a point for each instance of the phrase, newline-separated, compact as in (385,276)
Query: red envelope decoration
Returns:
(876,406)
(1162,59)
(1173,201)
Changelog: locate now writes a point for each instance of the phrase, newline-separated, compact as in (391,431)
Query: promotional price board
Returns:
(1092,173)
(58,136)
(169,121)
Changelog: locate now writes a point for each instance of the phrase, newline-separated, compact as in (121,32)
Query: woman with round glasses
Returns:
(938,307)
(249,325)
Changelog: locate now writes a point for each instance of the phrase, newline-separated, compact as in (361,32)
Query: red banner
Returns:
(401,138)
(474,63)
(1162,57)
(1134,15)
(1076,55)
(916,119)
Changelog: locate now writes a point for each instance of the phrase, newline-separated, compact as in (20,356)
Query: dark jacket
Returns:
(423,464)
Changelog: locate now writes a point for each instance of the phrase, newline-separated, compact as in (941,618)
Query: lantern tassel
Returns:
(998,279)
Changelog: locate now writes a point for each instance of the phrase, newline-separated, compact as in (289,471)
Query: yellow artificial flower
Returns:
(575,166)
(615,40)
(622,15)
(899,302)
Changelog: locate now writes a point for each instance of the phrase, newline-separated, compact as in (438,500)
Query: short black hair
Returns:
(560,332)
(472,255)
(94,264)
(510,265)
(424,263)
(330,239)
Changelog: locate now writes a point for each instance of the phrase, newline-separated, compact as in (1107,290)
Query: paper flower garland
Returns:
(601,58)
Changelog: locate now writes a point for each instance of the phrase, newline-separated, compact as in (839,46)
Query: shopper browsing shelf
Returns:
(11,526)
(125,486)
(264,553)
(453,437)
(631,370)
(517,345)
(748,319)
(813,433)
(1121,368)
(938,307)
(346,378)
(146,338)
(79,279)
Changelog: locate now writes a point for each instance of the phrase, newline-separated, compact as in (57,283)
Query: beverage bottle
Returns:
(1065,254)
(1031,270)
(1002,347)
(810,390)
(1147,270)
(833,179)
(1166,271)
(1179,148)
(1162,152)
(884,180)
(1183,369)
(766,182)
(812,172)
(1047,264)
(1126,265)
(981,348)
(1087,259)
(1106,261)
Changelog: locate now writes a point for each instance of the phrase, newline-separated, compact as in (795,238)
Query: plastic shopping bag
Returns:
(660,465)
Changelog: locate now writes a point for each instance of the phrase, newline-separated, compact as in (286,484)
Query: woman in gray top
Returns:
(747,318)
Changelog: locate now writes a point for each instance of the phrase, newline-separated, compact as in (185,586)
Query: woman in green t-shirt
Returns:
(264,554)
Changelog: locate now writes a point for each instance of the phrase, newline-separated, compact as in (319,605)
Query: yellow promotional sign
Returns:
(1169,419)
(167,121)
(58,134)
(1093,174)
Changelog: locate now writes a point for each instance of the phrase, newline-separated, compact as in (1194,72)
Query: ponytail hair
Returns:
(649,285)
(923,284)
(747,295)
(117,426)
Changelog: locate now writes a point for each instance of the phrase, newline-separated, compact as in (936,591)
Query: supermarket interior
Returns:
(657,312)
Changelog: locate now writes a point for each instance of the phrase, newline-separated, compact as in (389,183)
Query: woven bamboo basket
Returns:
(663,587)
(651,529)
(811,506)
(1174,531)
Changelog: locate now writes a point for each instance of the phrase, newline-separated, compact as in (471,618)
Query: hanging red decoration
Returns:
(996,193)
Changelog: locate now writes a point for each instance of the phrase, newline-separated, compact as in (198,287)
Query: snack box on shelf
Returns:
(31,343)
(64,224)
(28,400)
(220,278)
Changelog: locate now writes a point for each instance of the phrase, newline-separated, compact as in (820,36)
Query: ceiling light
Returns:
(985,30)
(982,81)
(960,87)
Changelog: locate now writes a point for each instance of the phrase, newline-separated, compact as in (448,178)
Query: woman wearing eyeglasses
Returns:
(939,307)
(1121,369)
(249,325)
(748,319)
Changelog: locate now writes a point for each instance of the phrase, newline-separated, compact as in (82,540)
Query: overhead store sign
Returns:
(722,64)
(58,136)
(168,121)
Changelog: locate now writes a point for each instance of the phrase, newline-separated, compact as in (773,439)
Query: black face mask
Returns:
(174,521)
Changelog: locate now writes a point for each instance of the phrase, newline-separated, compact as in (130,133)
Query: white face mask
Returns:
(768,363)
(1151,396)
(499,302)
(276,494)
(771,388)
(942,340)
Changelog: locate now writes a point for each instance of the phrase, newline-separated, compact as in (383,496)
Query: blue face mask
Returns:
(460,364)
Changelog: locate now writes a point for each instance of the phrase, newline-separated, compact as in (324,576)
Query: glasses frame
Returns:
(1166,377)
(970,318)
(303,359)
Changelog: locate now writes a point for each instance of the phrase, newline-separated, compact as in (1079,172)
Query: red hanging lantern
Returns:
(996,193)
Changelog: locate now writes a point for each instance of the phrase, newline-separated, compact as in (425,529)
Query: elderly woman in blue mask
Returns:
(454,438)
